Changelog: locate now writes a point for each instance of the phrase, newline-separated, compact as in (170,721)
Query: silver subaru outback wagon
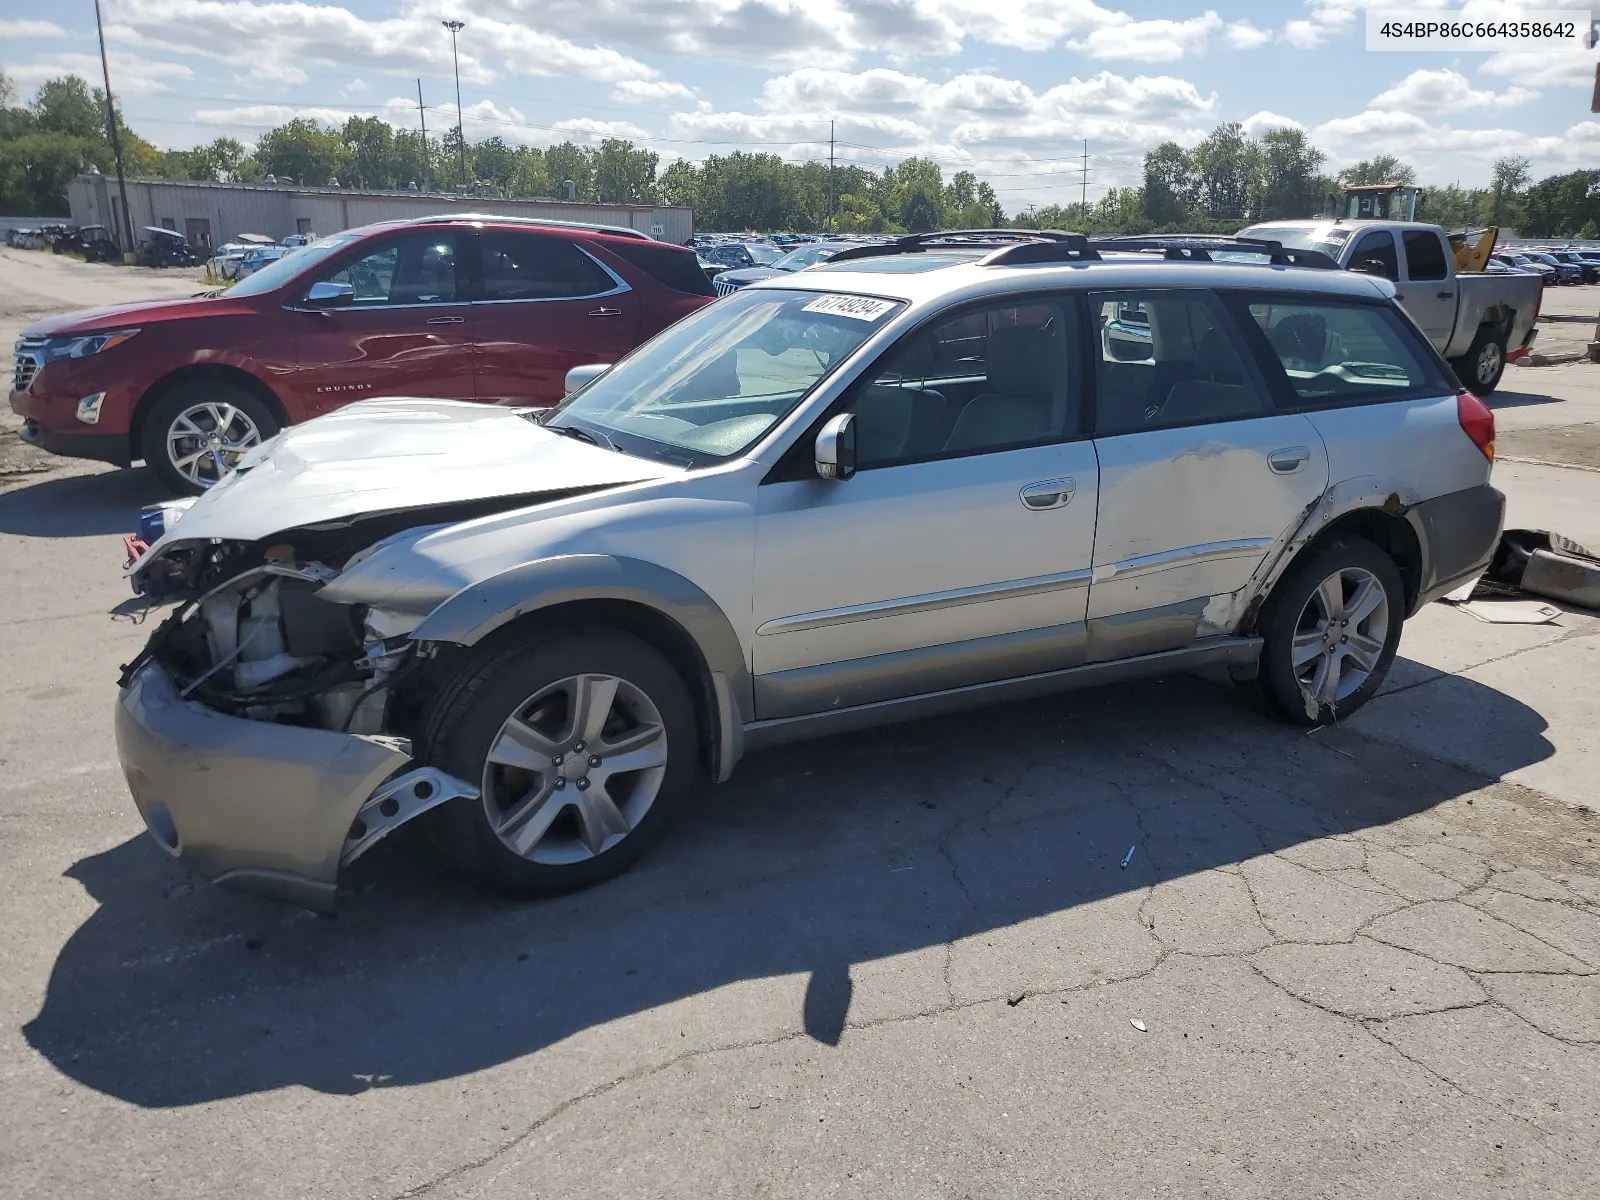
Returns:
(945,471)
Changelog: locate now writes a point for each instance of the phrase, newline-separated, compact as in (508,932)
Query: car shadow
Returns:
(1509,399)
(81,505)
(816,861)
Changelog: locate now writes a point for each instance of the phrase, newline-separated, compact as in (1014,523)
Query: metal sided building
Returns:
(209,214)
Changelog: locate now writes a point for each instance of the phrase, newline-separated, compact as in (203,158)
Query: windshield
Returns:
(765,256)
(711,385)
(1325,240)
(278,273)
(805,256)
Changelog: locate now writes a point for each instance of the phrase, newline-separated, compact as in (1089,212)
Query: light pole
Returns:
(116,140)
(456,27)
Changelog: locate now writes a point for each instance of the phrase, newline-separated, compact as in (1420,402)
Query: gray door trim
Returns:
(1235,651)
(1144,631)
(1184,556)
(1064,581)
(924,669)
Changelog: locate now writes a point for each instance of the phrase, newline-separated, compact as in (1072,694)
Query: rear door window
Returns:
(1425,255)
(1334,353)
(530,266)
(676,268)
(1168,358)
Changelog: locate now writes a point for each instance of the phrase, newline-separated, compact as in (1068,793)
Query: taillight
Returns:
(1477,422)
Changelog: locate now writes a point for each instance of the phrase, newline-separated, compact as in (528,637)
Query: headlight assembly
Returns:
(85,345)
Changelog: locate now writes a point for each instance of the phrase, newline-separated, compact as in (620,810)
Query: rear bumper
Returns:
(1459,533)
(264,808)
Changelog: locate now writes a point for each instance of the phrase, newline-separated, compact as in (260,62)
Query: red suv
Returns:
(484,308)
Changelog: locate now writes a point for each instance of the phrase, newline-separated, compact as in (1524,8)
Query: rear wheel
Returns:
(583,745)
(1330,632)
(1484,362)
(196,434)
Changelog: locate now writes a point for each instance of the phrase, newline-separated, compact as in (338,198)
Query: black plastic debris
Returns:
(1545,564)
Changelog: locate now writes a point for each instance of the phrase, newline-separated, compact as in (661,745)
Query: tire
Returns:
(1294,621)
(1480,368)
(174,440)
(549,820)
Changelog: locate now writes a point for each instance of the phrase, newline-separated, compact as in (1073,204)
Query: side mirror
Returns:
(1370,266)
(330,295)
(836,448)
(580,377)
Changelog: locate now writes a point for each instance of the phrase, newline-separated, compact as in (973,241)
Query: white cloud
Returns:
(131,74)
(354,87)
(1569,69)
(278,39)
(31,29)
(1444,91)
(640,90)
(1151,41)
(1258,123)
(1244,36)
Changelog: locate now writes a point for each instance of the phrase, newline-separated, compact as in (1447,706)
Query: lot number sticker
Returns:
(859,308)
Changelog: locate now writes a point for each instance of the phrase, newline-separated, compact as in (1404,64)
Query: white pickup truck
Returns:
(1478,321)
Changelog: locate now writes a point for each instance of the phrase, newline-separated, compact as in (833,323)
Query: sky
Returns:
(1009,89)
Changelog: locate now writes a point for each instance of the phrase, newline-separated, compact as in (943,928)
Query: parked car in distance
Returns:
(805,254)
(467,307)
(899,484)
(1565,272)
(1521,262)
(742,254)
(256,257)
(94,242)
(1588,269)
(166,248)
(224,261)
(1476,320)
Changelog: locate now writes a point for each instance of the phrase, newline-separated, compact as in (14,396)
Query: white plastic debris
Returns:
(1137,1024)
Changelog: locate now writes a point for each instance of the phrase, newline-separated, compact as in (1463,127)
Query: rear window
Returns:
(672,266)
(1333,353)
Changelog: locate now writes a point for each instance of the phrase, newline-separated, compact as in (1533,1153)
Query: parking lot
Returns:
(920,961)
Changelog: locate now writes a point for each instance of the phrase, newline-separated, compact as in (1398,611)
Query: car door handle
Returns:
(446,320)
(1048,493)
(1445,295)
(605,312)
(1289,459)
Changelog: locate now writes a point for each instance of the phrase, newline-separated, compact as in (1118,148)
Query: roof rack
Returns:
(504,219)
(1200,248)
(949,239)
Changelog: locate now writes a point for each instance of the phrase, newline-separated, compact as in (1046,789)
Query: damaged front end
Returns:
(260,730)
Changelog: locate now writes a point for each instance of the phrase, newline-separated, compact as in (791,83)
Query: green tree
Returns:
(565,161)
(1510,176)
(368,152)
(1385,168)
(66,105)
(1223,166)
(1562,204)
(624,174)
(493,163)
(528,174)
(1287,176)
(1169,185)
(680,184)
(302,150)
(963,190)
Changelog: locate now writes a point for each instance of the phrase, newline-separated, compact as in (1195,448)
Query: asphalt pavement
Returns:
(1361,962)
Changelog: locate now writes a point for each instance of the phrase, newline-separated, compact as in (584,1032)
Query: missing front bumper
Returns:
(264,808)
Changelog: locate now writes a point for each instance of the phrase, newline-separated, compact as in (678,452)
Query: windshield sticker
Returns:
(859,308)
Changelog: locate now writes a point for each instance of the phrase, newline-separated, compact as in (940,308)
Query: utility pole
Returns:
(456,27)
(830,176)
(116,139)
(1084,202)
(422,115)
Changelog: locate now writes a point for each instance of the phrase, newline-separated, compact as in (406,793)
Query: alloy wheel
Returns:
(1487,366)
(1340,637)
(574,769)
(206,441)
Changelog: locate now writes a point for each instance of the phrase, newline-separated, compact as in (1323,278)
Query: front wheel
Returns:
(583,744)
(1330,631)
(196,434)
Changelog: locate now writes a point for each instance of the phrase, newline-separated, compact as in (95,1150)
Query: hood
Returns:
(744,275)
(386,455)
(115,316)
